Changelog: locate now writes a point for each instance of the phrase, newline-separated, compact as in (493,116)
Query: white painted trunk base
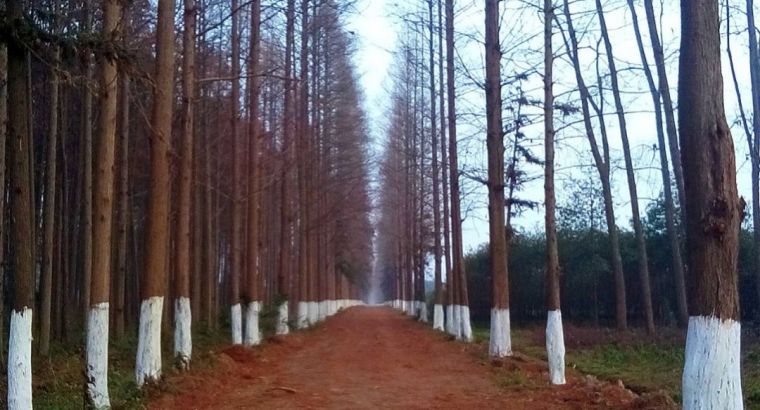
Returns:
(313,313)
(333,307)
(466,328)
(183,337)
(411,308)
(303,315)
(457,322)
(252,330)
(20,360)
(438,317)
(282,319)
(236,324)
(711,374)
(322,310)
(555,347)
(450,320)
(148,363)
(423,312)
(500,343)
(96,356)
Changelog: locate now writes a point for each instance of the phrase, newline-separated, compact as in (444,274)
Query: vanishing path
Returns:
(367,358)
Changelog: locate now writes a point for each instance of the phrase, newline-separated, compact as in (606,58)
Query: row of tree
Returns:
(229,174)
(696,157)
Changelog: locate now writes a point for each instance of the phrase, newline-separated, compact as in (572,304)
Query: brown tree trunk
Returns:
(667,102)
(3,129)
(252,336)
(148,368)
(46,281)
(641,247)
(601,160)
(87,179)
(752,139)
(500,344)
(122,243)
(437,321)
(21,217)
(238,185)
(670,212)
(714,212)
(182,265)
(98,315)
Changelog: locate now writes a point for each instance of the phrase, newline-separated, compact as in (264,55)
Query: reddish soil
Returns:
(377,358)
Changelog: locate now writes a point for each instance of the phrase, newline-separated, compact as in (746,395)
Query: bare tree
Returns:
(714,212)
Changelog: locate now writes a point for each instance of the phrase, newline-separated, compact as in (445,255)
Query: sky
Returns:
(376,34)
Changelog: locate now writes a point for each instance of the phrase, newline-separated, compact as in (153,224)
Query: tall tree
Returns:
(602,163)
(501,341)
(641,246)
(148,366)
(676,263)
(46,282)
(98,317)
(438,308)
(21,217)
(555,339)
(714,212)
(754,137)
(237,230)
(183,344)
(252,335)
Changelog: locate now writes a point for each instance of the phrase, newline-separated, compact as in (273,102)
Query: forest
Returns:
(203,208)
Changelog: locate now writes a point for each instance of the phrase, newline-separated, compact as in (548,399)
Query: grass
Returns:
(59,379)
(642,364)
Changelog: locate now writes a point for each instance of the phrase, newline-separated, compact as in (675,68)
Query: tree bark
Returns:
(501,343)
(148,368)
(676,263)
(555,339)
(98,315)
(21,217)
(602,162)
(752,139)
(182,310)
(46,281)
(641,246)
(714,212)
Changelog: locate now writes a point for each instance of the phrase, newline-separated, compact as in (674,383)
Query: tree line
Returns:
(688,240)
(169,172)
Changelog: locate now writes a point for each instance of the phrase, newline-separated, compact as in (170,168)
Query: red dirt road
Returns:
(375,358)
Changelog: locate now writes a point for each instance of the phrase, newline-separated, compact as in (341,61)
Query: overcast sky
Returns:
(376,32)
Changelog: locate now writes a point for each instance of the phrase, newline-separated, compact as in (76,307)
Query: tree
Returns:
(183,346)
(438,308)
(501,341)
(602,163)
(670,210)
(555,339)
(21,217)
(236,318)
(641,248)
(714,212)
(252,335)
(98,316)
(148,366)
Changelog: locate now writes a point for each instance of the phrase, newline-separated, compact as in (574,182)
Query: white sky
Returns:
(376,30)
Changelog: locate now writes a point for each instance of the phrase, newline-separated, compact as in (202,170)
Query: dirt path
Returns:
(367,358)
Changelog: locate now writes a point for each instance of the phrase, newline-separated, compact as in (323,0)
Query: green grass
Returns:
(59,379)
(643,366)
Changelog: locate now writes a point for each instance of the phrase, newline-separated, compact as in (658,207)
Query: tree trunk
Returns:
(46,281)
(601,160)
(148,367)
(98,317)
(641,247)
(714,212)
(555,339)
(238,186)
(21,216)
(122,243)
(501,342)
(676,263)
(183,344)
(438,308)
(3,129)
(252,335)
(670,118)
